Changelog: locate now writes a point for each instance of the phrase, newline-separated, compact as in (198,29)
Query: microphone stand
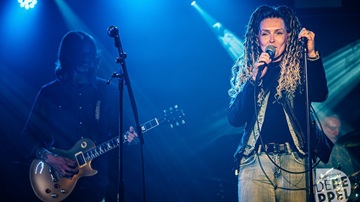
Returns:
(124,78)
(310,195)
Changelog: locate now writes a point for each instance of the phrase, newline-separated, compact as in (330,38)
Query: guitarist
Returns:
(76,104)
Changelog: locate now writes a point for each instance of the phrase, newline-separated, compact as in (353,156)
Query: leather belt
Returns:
(275,148)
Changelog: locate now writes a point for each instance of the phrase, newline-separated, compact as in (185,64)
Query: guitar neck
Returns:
(115,142)
(173,116)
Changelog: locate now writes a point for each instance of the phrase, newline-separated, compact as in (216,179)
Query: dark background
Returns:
(173,58)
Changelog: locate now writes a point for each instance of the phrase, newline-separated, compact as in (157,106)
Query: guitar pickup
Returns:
(80,159)
(52,175)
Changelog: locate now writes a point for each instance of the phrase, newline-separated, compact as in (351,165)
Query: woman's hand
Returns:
(261,64)
(310,44)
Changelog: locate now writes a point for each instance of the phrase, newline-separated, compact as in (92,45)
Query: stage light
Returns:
(231,43)
(27,4)
(342,73)
(217,25)
(193,3)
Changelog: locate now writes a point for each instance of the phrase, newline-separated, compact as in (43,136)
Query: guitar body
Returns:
(48,185)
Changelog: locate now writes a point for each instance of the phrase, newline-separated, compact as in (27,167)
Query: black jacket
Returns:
(241,113)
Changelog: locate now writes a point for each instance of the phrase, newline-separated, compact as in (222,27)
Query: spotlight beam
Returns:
(231,43)
(342,72)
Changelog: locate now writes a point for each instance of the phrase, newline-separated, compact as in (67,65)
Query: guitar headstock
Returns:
(174,116)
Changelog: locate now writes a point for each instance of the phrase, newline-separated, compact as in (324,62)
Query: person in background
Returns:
(340,157)
(77,104)
(331,126)
(268,101)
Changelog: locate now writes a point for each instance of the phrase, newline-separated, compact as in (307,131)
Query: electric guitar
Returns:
(48,185)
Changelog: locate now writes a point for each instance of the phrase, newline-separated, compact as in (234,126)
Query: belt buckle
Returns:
(277,148)
(271,148)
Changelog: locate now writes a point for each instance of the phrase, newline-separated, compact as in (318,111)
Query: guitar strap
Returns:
(98,107)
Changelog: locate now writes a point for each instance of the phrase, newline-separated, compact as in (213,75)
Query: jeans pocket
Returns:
(247,160)
(297,158)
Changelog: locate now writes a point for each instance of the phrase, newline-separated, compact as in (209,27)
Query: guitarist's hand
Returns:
(63,166)
(131,135)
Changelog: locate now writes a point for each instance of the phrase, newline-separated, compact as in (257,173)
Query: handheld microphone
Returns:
(271,51)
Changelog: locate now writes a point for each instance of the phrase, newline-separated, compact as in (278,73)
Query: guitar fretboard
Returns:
(114,142)
(149,125)
(101,149)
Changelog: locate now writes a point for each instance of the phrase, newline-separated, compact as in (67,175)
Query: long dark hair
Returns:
(70,53)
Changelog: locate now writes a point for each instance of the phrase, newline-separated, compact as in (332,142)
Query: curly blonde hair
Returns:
(290,77)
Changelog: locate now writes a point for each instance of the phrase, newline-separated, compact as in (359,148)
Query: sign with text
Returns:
(332,185)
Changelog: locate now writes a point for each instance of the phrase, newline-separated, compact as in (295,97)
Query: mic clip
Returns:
(114,75)
(304,43)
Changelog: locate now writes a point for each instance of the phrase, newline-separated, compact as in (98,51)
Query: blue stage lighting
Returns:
(193,3)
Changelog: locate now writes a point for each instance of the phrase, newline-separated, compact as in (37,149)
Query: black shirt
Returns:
(275,128)
(64,112)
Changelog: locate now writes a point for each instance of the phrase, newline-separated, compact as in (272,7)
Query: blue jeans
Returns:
(260,180)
